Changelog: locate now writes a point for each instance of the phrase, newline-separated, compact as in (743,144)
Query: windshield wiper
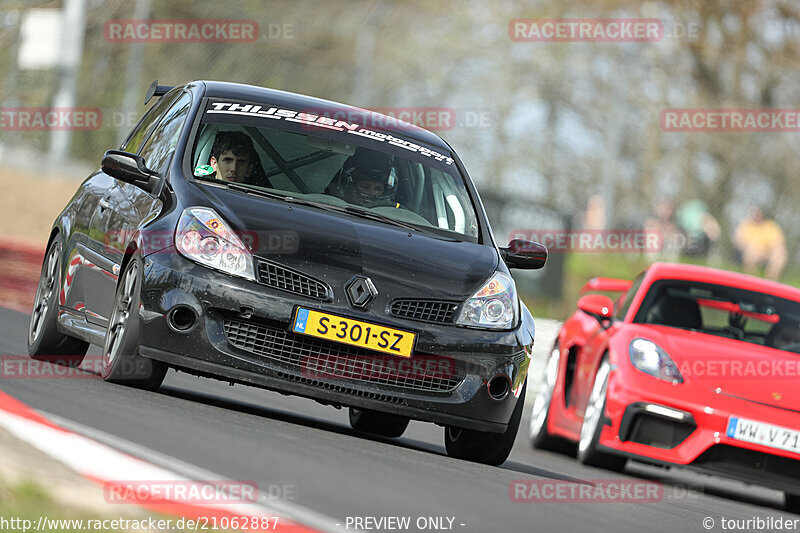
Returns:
(341,209)
(285,198)
(259,192)
(376,216)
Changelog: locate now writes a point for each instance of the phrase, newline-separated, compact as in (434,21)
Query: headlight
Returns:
(202,236)
(494,306)
(651,359)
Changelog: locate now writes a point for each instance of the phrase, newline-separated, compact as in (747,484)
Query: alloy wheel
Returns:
(44,293)
(120,316)
(541,405)
(594,409)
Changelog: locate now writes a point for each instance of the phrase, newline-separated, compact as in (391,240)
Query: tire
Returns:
(538,435)
(792,503)
(121,360)
(593,421)
(484,447)
(45,342)
(377,423)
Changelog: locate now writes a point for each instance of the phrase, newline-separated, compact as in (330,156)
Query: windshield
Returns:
(747,316)
(341,164)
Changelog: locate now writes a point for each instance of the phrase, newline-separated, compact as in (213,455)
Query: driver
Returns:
(233,157)
(367,178)
(783,335)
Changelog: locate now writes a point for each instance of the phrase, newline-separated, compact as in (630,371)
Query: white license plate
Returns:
(777,437)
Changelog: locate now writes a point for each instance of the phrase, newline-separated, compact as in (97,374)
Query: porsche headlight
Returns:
(651,359)
(494,306)
(204,237)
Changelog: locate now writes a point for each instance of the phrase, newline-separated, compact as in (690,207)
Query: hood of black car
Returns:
(334,247)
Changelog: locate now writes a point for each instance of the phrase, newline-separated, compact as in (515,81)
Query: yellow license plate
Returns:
(353,332)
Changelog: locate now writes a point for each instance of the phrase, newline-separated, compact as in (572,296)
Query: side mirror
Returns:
(524,254)
(131,168)
(598,306)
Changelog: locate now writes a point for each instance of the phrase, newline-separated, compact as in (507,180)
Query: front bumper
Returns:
(686,424)
(242,335)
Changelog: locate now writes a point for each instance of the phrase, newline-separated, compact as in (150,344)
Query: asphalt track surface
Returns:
(309,454)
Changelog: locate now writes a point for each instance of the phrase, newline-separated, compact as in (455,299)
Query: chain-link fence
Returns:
(578,127)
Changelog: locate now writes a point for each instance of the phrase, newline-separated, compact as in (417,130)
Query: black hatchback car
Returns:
(308,247)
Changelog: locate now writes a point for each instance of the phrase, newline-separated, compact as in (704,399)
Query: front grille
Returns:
(347,390)
(318,359)
(438,311)
(289,280)
(731,459)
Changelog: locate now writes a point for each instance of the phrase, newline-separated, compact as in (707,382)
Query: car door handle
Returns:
(103,203)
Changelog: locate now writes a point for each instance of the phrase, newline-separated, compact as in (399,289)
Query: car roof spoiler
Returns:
(607,285)
(156,90)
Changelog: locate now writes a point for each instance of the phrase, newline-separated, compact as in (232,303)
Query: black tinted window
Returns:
(165,136)
(725,311)
(627,298)
(142,130)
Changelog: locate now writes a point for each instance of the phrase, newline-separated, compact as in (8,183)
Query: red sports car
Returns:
(691,366)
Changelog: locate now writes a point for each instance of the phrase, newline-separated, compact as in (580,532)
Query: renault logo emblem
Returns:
(360,291)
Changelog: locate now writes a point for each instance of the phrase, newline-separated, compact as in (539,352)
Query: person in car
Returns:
(785,335)
(233,158)
(367,178)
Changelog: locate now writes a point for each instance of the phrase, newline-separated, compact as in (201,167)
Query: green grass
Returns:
(30,500)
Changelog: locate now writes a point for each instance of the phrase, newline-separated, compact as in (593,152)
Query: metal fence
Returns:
(557,123)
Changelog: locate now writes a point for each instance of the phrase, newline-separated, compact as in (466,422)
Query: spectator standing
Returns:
(670,235)
(701,228)
(761,242)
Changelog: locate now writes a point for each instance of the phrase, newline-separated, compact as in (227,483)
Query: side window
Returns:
(146,124)
(622,310)
(165,136)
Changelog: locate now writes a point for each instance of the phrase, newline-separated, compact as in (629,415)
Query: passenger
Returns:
(367,178)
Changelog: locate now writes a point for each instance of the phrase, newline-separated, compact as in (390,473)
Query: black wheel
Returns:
(538,435)
(593,421)
(121,360)
(45,342)
(376,423)
(792,503)
(483,447)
